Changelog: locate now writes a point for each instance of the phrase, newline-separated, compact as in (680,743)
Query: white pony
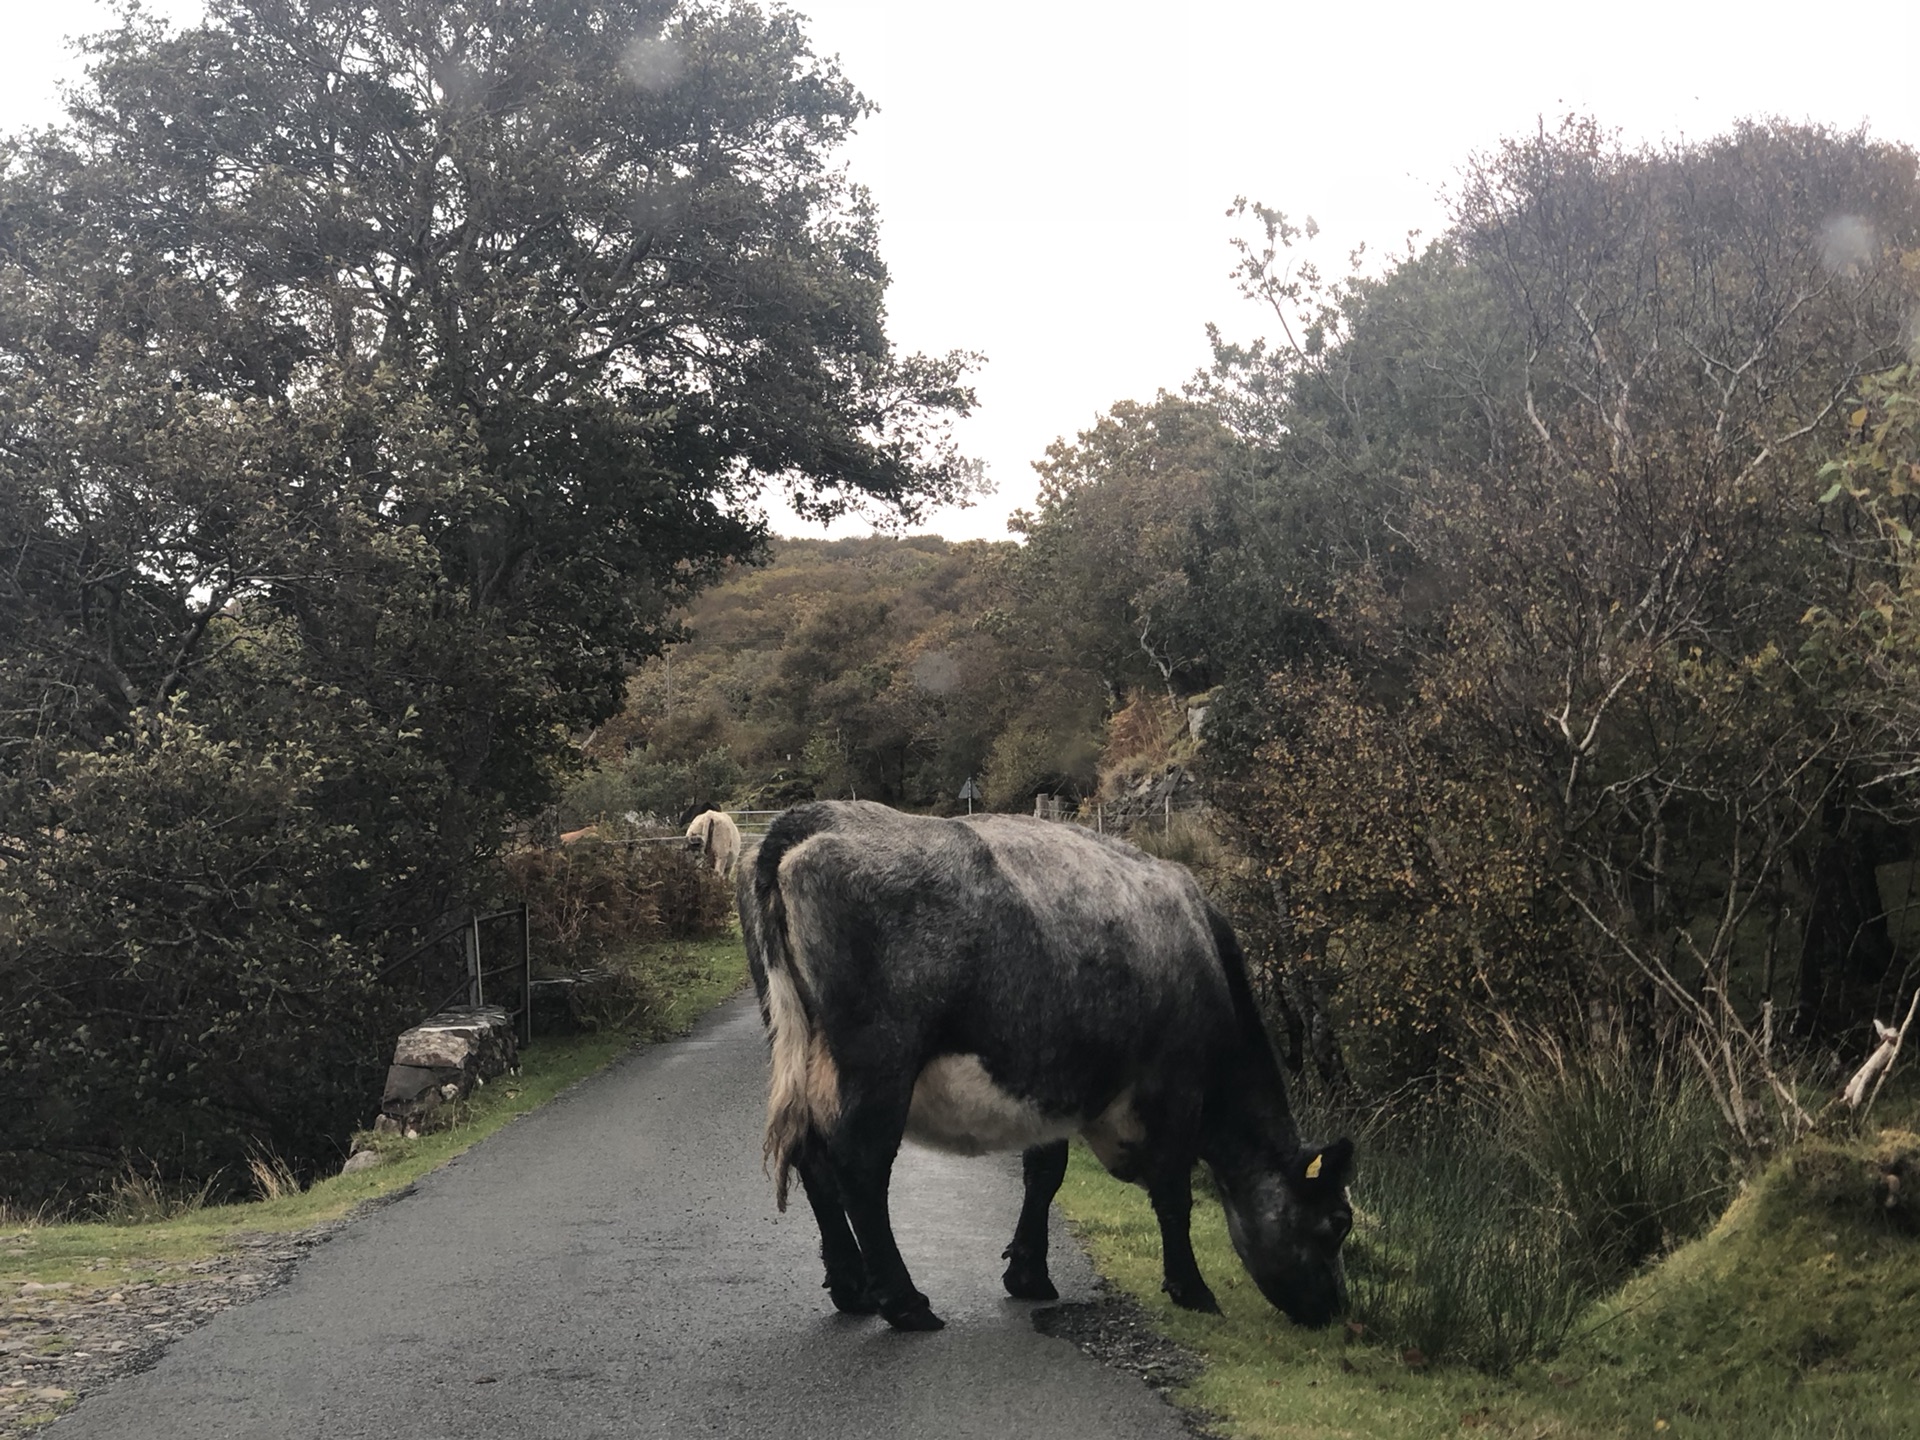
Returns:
(714,834)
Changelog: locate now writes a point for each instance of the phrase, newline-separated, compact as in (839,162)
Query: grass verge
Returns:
(1794,1316)
(688,978)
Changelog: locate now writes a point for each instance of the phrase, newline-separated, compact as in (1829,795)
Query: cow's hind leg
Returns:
(1043,1167)
(846,1281)
(862,1146)
(1172,1195)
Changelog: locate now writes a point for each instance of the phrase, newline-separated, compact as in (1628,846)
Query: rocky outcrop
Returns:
(437,1064)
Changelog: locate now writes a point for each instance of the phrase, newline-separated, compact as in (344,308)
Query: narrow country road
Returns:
(612,1265)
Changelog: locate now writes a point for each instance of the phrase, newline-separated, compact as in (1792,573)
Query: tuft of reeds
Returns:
(1483,1234)
(272,1176)
(1626,1143)
(139,1196)
(15,1216)
(1449,1259)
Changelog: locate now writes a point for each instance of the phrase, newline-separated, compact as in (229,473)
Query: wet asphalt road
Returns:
(613,1266)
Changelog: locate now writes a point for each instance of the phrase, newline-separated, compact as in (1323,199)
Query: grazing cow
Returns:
(1001,983)
(714,834)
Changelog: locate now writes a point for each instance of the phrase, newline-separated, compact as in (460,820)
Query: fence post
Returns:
(526,975)
(476,992)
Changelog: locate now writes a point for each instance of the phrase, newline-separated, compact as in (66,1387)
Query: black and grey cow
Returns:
(1002,983)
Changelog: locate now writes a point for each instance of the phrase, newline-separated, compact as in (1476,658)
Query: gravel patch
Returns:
(1116,1331)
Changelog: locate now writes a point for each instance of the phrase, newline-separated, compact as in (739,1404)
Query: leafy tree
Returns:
(1105,578)
(377,379)
(1560,642)
(540,291)
(171,988)
(1874,480)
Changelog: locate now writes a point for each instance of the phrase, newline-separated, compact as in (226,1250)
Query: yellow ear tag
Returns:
(1313,1167)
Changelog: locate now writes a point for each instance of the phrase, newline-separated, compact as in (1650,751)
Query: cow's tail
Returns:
(805,1091)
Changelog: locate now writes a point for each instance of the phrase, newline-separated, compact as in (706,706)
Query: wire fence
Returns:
(753,822)
(1121,817)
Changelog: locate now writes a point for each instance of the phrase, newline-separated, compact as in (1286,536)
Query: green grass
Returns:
(1264,1375)
(1795,1316)
(688,977)
(691,976)
(1453,1258)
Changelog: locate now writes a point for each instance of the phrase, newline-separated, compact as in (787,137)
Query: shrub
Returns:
(692,902)
(172,997)
(586,897)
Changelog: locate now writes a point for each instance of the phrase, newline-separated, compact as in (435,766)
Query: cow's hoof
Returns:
(921,1317)
(852,1299)
(1193,1297)
(1029,1284)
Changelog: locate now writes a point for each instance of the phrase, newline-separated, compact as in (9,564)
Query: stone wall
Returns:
(438,1063)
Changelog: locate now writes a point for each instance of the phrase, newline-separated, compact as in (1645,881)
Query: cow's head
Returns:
(1288,1225)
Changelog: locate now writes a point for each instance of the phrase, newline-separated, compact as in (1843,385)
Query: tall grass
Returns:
(1627,1145)
(272,1176)
(1185,839)
(1566,1170)
(18,1217)
(1451,1259)
(139,1196)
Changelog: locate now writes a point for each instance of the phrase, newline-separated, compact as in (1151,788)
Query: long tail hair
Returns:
(805,1092)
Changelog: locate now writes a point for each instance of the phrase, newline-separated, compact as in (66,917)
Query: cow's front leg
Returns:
(862,1146)
(846,1281)
(1043,1167)
(1172,1197)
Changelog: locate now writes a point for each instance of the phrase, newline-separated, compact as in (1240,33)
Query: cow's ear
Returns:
(1329,1167)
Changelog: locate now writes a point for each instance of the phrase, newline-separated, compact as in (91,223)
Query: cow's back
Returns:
(1072,966)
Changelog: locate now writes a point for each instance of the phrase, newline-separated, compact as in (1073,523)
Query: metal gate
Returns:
(483,958)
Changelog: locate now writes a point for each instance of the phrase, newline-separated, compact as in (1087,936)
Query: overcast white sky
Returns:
(1052,175)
